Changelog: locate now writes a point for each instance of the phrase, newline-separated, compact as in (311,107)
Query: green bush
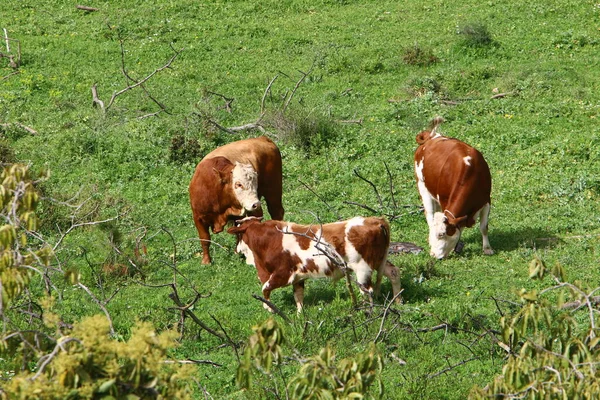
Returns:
(552,343)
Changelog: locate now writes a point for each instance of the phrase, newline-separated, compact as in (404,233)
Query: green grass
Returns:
(541,142)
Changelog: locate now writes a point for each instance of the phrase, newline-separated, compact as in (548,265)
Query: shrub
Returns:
(416,55)
(320,377)
(309,131)
(553,344)
(183,150)
(476,34)
(88,364)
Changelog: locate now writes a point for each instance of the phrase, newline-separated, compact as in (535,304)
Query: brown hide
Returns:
(461,190)
(211,195)
(265,157)
(276,265)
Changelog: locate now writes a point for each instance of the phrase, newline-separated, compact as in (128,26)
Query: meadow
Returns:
(517,80)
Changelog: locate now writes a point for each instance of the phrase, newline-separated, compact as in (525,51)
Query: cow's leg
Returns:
(273,200)
(363,277)
(393,274)
(430,205)
(266,291)
(299,295)
(204,236)
(484,215)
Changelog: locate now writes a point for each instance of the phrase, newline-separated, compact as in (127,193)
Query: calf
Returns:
(454,182)
(286,254)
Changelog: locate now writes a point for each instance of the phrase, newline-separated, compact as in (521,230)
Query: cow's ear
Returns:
(457,221)
(234,230)
(223,176)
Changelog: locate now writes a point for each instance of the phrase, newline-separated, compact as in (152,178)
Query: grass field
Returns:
(392,66)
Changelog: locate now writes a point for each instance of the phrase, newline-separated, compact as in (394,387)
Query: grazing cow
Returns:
(286,254)
(454,182)
(229,182)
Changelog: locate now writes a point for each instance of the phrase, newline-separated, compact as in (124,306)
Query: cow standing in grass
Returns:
(454,182)
(286,254)
(230,181)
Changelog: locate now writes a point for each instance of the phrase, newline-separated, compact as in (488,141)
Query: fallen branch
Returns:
(185,309)
(25,127)
(86,8)
(104,108)
(273,307)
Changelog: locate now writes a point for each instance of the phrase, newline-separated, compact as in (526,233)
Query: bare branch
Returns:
(28,129)
(59,346)
(267,91)
(86,8)
(291,95)
(273,307)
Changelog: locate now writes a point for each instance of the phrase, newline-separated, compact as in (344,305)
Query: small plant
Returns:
(417,55)
(310,132)
(476,34)
(320,377)
(7,154)
(553,344)
(184,150)
(87,363)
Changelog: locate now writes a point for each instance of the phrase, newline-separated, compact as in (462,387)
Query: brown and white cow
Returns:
(286,254)
(454,182)
(229,182)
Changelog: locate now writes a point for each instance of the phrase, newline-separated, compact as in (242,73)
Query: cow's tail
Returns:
(385,231)
(431,130)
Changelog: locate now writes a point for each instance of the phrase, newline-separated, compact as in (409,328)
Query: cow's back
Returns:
(455,174)
(259,152)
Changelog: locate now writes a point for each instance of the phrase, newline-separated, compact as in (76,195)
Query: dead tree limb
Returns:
(320,198)
(135,84)
(267,91)
(86,8)
(25,127)
(298,83)
(186,310)
(273,307)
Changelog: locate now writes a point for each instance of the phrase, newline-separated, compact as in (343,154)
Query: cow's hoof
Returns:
(459,247)
(488,252)
(206,261)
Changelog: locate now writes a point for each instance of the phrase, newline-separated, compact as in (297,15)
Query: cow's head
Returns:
(244,183)
(239,229)
(444,234)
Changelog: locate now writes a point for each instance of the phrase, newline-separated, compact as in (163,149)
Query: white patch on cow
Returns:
(441,244)
(243,248)
(467,160)
(430,204)
(290,244)
(355,261)
(245,186)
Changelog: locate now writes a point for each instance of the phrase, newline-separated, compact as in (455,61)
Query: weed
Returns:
(417,55)
(476,34)
(311,132)
(183,150)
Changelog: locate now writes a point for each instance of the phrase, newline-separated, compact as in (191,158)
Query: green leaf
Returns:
(105,387)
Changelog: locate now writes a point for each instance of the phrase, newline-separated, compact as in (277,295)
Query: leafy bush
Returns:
(553,344)
(319,376)
(476,34)
(417,55)
(311,132)
(184,150)
(88,364)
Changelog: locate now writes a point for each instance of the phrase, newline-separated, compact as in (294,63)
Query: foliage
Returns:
(87,364)
(319,377)
(19,254)
(476,34)
(552,344)
(417,55)
(184,149)
(309,131)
